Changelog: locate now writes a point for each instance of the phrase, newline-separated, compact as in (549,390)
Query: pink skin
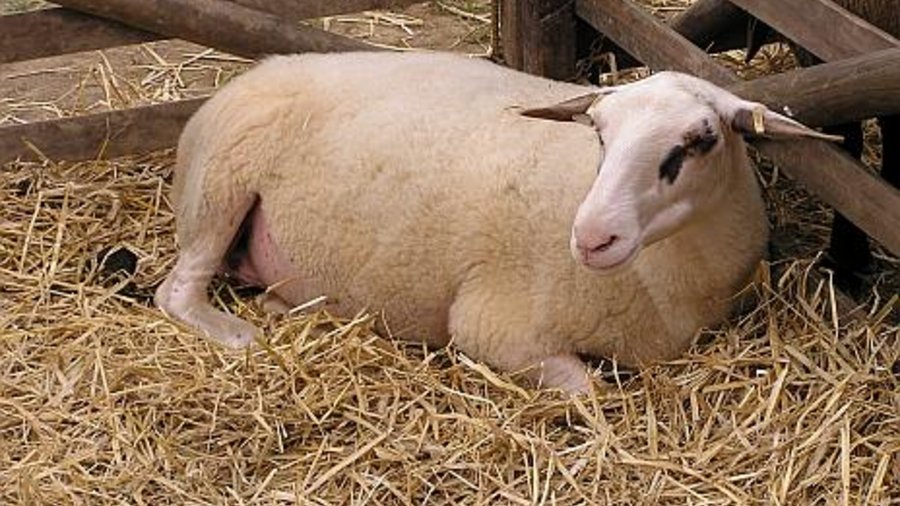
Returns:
(263,264)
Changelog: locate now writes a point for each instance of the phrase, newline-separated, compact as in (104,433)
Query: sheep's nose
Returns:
(596,243)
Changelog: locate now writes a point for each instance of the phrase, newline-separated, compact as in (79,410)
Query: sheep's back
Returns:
(391,194)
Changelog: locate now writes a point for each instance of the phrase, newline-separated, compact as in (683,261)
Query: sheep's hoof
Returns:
(273,304)
(565,372)
(194,310)
(228,330)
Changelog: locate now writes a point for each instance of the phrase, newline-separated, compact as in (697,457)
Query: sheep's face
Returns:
(662,167)
(671,145)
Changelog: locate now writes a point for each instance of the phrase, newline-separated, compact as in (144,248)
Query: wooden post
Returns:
(538,36)
(216,23)
(823,168)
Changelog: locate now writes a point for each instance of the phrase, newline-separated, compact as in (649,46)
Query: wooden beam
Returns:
(824,28)
(841,181)
(106,134)
(305,9)
(219,24)
(847,90)
(57,31)
(539,36)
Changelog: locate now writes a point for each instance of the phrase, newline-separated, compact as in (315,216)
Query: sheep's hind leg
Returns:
(205,234)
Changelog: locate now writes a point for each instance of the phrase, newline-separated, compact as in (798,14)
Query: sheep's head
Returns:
(669,143)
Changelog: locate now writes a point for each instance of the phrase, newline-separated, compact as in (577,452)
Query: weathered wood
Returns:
(822,27)
(539,36)
(57,31)
(305,9)
(823,168)
(833,93)
(215,23)
(107,134)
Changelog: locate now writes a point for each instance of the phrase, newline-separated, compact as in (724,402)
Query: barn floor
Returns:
(105,401)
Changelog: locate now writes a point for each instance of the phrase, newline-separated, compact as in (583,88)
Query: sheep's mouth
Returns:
(595,262)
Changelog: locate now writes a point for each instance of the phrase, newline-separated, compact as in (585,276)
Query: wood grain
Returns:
(219,24)
(821,26)
(57,31)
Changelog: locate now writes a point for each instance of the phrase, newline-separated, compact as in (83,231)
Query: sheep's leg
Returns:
(205,231)
(565,371)
(484,327)
(849,245)
(274,304)
(890,142)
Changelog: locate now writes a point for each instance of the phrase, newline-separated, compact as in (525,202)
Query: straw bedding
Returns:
(104,401)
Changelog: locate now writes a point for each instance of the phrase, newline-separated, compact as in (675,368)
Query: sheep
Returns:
(468,202)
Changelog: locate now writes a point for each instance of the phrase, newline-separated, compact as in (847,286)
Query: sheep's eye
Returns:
(671,164)
(696,143)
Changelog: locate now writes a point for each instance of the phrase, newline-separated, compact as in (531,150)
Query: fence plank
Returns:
(844,34)
(108,134)
(57,31)
(215,23)
(851,89)
(305,9)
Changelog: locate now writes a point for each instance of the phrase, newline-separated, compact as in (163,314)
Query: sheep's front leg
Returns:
(206,228)
(494,329)
(566,372)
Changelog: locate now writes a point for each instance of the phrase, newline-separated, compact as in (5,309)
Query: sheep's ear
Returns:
(573,109)
(756,120)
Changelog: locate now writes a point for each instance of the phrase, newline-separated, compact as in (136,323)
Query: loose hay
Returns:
(104,401)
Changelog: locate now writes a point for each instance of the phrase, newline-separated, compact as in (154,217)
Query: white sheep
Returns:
(416,185)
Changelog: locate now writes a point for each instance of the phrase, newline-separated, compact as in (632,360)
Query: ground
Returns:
(105,401)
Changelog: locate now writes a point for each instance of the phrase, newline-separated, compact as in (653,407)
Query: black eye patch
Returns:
(695,143)
(671,164)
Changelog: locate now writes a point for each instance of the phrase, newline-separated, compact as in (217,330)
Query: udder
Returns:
(255,258)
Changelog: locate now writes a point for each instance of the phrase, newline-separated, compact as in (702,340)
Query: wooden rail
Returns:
(822,27)
(215,23)
(57,31)
(847,90)
(136,130)
(841,181)
(305,9)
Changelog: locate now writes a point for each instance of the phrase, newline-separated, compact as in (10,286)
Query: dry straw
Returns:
(104,401)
